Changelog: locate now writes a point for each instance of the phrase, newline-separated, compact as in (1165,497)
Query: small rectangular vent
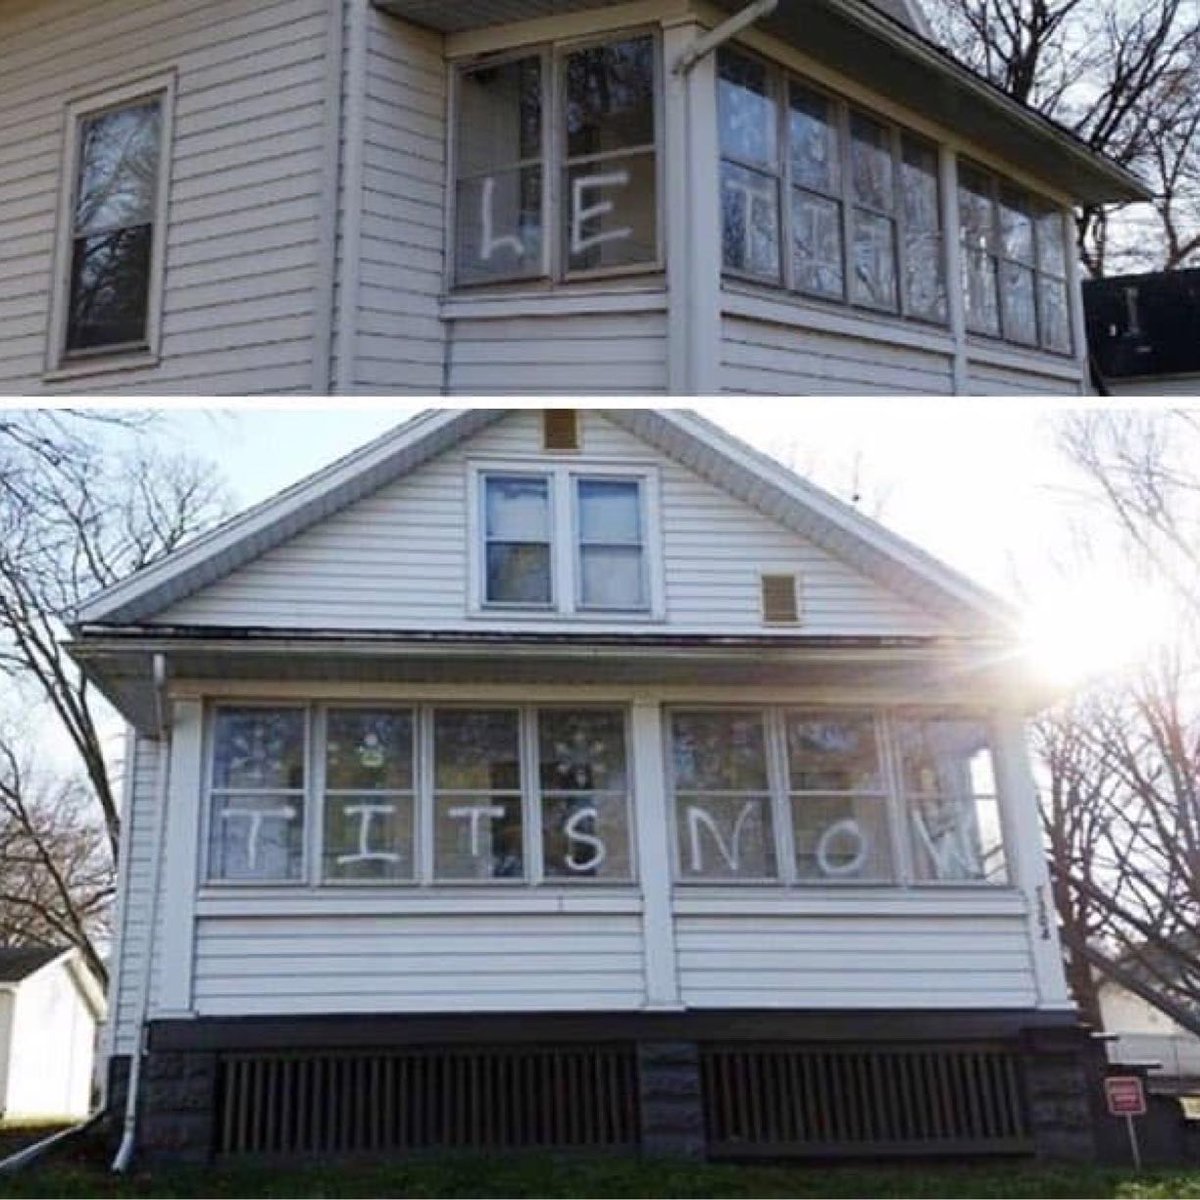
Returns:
(812,1102)
(780,605)
(483,1097)
(560,429)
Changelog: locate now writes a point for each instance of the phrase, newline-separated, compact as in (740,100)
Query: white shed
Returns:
(50,1007)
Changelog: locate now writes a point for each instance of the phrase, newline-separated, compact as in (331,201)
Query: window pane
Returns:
(837,754)
(871,163)
(956,839)
(110,289)
(749,221)
(1052,255)
(817,244)
(609,510)
(256,836)
(498,221)
(924,283)
(1016,225)
(518,508)
(1056,323)
(475,750)
(719,751)
(583,750)
(499,116)
(813,136)
(842,837)
(368,837)
(945,756)
(1020,322)
(874,260)
(726,837)
(609,97)
(979,295)
(586,837)
(118,168)
(610,214)
(612,577)
(975,210)
(919,186)
(478,837)
(258,749)
(369,748)
(745,109)
(518,573)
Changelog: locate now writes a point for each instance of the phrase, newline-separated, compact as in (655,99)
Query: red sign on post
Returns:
(1125,1096)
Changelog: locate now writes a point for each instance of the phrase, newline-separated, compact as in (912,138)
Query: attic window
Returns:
(560,429)
(779,601)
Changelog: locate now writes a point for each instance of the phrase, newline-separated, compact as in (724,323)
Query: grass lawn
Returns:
(84,1173)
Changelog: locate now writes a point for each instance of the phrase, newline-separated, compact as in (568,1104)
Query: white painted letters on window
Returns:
(832,842)
(475,813)
(699,818)
(256,816)
(575,834)
(581,213)
(489,243)
(367,813)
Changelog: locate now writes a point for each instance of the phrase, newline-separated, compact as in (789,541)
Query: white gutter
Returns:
(125,1151)
(709,42)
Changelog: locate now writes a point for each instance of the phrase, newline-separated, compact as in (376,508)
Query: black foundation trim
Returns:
(335,1030)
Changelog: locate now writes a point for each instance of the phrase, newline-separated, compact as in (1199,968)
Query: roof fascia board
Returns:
(880,548)
(284,514)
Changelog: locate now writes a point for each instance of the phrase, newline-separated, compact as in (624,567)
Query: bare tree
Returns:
(76,514)
(1125,77)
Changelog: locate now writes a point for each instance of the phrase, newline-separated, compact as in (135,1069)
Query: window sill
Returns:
(570,300)
(740,298)
(774,900)
(430,901)
(101,365)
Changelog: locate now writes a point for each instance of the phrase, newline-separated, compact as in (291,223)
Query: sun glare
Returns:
(1102,624)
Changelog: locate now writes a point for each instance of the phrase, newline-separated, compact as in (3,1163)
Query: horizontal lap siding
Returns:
(591,353)
(133,937)
(769,359)
(399,340)
(864,962)
(246,158)
(446,963)
(398,558)
(987,380)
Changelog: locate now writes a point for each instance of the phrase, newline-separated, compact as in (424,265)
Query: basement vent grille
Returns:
(560,429)
(364,1102)
(807,1102)
(780,605)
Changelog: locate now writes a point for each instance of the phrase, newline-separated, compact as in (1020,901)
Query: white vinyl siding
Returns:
(245,170)
(774,359)
(398,559)
(587,353)
(986,379)
(426,963)
(894,956)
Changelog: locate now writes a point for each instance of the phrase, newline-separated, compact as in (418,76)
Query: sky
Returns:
(980,484)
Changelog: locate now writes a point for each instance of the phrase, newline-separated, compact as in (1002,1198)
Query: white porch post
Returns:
(1027,860)
(948,173)
(174,940)
(654,856)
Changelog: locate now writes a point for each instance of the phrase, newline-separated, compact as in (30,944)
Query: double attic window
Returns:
(556,156)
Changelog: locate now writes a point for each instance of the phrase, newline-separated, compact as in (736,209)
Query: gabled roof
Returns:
(750,476)
(19,962)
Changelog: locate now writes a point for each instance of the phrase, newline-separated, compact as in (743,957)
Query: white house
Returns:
(242,196)
(51,1006)
(577,778)
(1147,1035)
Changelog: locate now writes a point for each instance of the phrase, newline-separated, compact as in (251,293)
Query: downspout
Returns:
(125,1151)
(723,32)
(330,216)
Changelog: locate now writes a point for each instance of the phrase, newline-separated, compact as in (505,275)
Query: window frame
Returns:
(780,79)
(424,878)
(59,361)
(555,271)
(1040,208)
(894,799)
(565,540)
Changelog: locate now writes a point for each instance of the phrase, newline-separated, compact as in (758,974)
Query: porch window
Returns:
(825,199)
(556,165)
(1014,262)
